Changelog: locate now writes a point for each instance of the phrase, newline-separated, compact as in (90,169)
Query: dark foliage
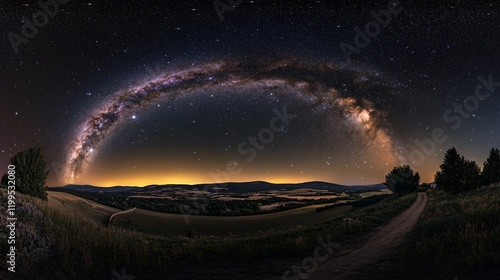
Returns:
(401,180)
(5,179)
(327,207)
(491,168)
(30,172)
(370,200)
(457,173)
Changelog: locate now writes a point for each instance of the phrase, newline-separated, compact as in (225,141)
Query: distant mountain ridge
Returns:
(243,187)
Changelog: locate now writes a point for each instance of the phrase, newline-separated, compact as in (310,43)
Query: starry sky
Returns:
(154,92)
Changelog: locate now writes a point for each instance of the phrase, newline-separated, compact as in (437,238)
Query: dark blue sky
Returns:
(427,58)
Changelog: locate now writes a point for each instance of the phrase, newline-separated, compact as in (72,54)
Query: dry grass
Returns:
(82,249)
(456,234)
(84,208)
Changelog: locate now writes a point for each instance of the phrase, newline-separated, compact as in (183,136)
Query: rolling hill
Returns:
(244,187)
(175,224)
(86,209)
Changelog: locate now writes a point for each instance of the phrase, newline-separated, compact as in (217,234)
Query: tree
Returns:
(5,180)
(457,174)
(31,173)
(491,168)
(401,180)
(472,176)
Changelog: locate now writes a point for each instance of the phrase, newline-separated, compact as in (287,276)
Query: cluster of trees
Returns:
(30,173)
(459,174)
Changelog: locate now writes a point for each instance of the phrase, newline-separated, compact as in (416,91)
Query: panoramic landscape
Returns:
(285,140)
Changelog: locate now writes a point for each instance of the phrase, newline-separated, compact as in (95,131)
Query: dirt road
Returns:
(119,213)
(380,243)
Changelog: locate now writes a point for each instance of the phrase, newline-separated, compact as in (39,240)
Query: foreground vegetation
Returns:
(73,248)
(456,235)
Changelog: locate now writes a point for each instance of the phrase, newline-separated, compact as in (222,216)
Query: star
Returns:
(359,117)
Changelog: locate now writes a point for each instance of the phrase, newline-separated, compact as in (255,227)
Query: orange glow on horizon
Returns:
(195,179)
(158,174)
(189,179)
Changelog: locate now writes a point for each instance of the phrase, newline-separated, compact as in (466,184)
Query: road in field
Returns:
(380,243)
(119,213)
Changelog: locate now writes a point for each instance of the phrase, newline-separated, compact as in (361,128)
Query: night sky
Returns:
(153,92)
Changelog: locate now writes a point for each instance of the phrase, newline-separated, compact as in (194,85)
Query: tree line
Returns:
(456,175)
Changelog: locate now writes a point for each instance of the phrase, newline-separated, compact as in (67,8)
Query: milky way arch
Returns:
(343,93)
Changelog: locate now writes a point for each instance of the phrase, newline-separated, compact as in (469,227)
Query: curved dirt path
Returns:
(119,213)
(380,243)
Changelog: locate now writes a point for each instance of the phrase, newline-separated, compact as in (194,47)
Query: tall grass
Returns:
(82,250)
(456,234)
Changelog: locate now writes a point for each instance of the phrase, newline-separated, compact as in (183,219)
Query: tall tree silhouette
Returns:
(491,168)
(457,174)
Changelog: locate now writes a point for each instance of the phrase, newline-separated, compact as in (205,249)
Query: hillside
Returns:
(85,209)
(457,237)
(58,241)
(164,223)
(244,187)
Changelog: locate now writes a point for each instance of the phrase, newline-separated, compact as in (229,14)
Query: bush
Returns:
(30,172)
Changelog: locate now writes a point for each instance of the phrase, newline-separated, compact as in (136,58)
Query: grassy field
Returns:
(163,223)
(84,208)
(175,224)
(457,236)
(77,248)
(367,194)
